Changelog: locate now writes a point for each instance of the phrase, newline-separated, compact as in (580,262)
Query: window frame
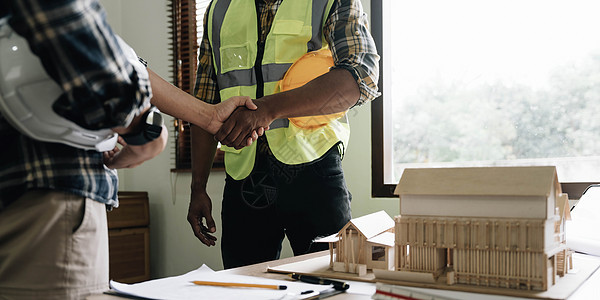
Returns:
(184,21)
(379,115)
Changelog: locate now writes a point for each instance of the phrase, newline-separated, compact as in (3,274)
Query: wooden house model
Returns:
(492,226)
(364,243)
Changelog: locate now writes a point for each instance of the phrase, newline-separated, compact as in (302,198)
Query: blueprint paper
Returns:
(181,287)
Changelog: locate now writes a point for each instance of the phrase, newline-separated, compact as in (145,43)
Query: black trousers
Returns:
(302,202)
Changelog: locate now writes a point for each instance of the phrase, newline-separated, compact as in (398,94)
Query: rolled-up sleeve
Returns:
(352,46)
(78,49)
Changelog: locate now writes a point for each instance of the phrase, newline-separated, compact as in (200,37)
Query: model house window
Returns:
(378,253)
(486,83)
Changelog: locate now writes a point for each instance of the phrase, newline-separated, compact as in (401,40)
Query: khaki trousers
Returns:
(53,245)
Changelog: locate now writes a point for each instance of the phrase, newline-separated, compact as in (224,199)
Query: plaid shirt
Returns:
(345,31)
(101,90)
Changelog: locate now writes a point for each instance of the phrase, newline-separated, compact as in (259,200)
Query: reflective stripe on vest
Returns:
(233,35)
(271,73)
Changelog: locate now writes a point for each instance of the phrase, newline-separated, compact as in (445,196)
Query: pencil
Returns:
(237,284)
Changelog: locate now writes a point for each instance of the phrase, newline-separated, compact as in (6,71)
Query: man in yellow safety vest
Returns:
(290,182)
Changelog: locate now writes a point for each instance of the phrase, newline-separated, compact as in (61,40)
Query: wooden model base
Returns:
(583,268)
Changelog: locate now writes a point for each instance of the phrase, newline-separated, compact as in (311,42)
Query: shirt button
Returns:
(357,33)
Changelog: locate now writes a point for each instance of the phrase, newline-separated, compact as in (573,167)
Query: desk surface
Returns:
(589,290)
(260,270)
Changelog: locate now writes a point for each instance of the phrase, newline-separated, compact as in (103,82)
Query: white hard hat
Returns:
(27,94)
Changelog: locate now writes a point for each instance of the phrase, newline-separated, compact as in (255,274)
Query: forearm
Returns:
(179,104)
(333,92)
(200,208)
(204,147)
(352,46)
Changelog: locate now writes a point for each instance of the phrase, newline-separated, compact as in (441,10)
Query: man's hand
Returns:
(223,110)
(130,156)
(201,208)
(177,103)
(236,131)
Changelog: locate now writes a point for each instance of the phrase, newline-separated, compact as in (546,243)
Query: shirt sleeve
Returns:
(206,87)
(81,53)
(352,46)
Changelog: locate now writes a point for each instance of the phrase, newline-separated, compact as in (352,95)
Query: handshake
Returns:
(238,121)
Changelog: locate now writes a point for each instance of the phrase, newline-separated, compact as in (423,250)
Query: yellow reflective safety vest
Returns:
(240,71)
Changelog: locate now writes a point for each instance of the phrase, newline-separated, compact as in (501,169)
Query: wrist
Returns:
(152,148)
(198,185)
(266,108)
(205,115)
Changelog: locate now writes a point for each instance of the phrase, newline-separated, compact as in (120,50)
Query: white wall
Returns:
(174,248)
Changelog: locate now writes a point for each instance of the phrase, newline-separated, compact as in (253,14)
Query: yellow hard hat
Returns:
(308,67)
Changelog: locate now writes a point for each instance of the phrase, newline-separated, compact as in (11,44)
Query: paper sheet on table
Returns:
(180,287)
(583,231)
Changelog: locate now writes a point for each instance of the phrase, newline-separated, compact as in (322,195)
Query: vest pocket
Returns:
(287,34)
(235,57)
(292,27)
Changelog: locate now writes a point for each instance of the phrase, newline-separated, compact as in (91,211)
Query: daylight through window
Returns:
(491,83)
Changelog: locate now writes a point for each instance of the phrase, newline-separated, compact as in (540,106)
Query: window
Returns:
(486,83)
(186,25)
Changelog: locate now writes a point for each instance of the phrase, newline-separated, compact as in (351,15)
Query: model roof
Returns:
(493,181)
(328,239)
(371,224)
(385,239)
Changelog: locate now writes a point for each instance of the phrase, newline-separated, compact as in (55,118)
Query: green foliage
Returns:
(459,121)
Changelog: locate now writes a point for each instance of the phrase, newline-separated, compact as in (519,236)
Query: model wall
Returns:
(473,233)
(474,206)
